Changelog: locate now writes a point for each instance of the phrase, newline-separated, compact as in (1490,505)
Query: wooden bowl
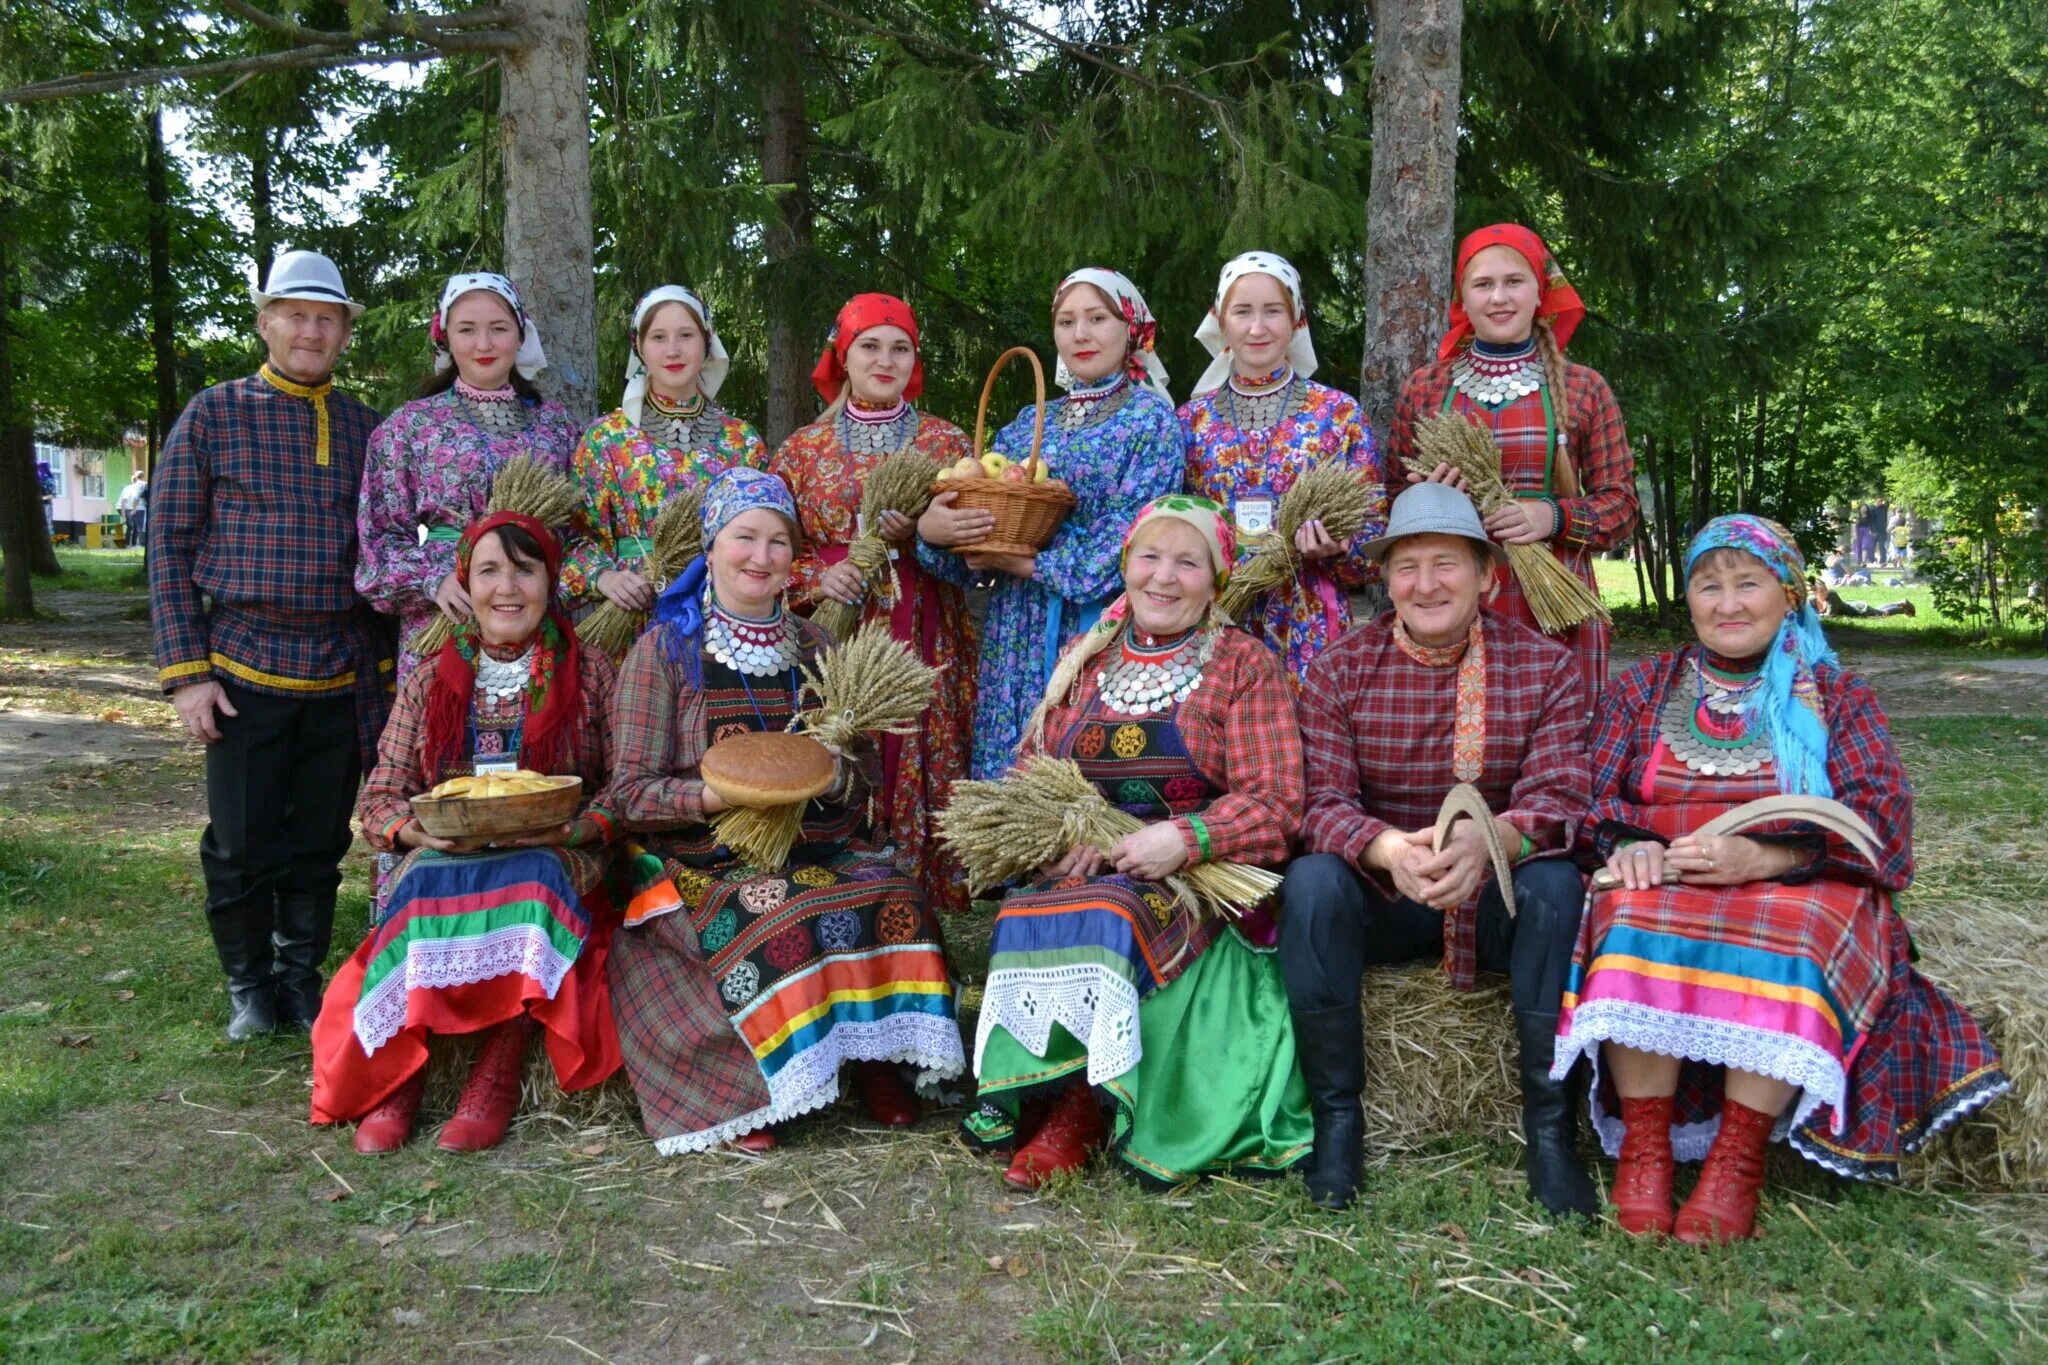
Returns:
(485,817)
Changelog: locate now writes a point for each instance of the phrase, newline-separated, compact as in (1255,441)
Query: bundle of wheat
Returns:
(678,536)
(1338,496)
(901,484)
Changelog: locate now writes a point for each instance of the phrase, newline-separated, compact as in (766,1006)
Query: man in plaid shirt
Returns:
(271,659)
(1393,716)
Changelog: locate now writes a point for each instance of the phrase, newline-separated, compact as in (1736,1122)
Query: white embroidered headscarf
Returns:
(1142,362)
(1301,350)
(716,362)
(531,359)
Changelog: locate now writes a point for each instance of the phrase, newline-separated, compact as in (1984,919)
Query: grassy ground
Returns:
(164,1197)
(97,571)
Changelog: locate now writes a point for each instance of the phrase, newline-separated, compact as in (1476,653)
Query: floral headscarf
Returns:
(1141,362)
(531,359)
(862,312)
(679,612)
(1208,518)
(1788,698)
(1301,348)
(1557,300)
(554,685)
(716,362)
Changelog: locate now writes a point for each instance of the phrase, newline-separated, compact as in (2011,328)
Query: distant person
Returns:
(271,659)
(133,505)
(1828,602)
(46,486)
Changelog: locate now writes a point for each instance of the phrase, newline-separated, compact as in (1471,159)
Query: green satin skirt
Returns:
(1217,1088)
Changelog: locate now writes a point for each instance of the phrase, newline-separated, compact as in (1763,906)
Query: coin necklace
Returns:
(1145,678)
(1494,378)
(503,679)
(755,649)
(1708,727)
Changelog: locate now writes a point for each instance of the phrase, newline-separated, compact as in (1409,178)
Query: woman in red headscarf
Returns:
(1564,450)
(485,939)
(871,370)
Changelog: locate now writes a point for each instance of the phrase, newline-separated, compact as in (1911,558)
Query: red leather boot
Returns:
(385,1128)
(1072,1129)
(760,1142)
(883,1094)
(485,1109)
(1723,1205)
(1642,1180)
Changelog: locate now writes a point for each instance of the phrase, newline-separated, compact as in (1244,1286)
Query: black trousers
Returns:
(280,785)
(1333,925)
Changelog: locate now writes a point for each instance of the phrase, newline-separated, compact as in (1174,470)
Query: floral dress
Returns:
(918,771)
(431,465)
(1118,449)
(1246,459)
(627,477)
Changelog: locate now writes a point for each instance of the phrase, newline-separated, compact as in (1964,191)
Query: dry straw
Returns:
(1335,494)
(872,684)
(903,484)
(1008,828)
(1554,593)
(678,536)
(528,488)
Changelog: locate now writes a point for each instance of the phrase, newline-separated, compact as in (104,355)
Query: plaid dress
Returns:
(740,992)
(467,941)
(1379,736)
(1808,980)
(1597,497)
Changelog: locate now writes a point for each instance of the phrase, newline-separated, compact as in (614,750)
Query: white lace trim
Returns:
(1097,1006)
(811,1082)
(440,964)
(1814,1072)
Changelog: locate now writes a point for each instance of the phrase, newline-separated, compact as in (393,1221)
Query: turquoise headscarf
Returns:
(1788,698)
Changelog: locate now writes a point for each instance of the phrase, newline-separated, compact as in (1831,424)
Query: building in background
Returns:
(88,481)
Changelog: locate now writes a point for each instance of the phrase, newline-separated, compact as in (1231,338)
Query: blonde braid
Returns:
(1068,671)
(1553,374)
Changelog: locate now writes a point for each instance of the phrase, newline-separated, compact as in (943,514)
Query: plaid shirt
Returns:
(244,514)
(1377,729)
(401,771)
(1240,730)
(1863,767)
(659,736)
(1600,516)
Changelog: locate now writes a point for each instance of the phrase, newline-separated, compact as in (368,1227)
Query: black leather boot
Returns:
(1550,1124)
(305,928)
(1331,1046)
(241,937)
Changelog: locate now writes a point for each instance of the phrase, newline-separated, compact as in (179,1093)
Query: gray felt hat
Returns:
(1432,509)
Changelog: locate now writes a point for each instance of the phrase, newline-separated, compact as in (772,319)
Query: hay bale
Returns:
(1439,1062)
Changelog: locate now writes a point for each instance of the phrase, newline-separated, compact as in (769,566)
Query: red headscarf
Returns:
(861,312)
(1557,300)
(554,690)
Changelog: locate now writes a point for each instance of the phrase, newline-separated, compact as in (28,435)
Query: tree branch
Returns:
(294,59)
(409,26)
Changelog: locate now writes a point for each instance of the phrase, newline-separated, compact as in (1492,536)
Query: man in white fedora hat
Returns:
(1436,693)
(268,654)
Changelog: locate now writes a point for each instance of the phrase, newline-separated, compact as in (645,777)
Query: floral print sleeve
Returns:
(1080,563)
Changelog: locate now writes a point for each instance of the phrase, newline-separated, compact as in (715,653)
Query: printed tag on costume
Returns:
(1253,511)
(500,763)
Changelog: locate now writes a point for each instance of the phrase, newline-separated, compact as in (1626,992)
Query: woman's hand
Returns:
(1729,860)
(453,600)
(558,837)
(412,835)
(1640,866)
(626,589)
(1017,566)
(947,526)
(1151,853)
(1523,522)
(1446,473)
(843,582)
(711,802)
(1082,860)
(1314,542)
(895,526)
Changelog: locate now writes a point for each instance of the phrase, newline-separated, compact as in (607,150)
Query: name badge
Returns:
(496,763)
(1253,512)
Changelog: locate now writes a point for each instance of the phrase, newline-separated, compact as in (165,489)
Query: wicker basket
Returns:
(486,817)
(1026,514)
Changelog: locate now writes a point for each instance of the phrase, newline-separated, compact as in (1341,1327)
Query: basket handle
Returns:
(988,387)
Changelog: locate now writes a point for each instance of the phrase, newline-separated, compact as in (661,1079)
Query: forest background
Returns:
(1812,234)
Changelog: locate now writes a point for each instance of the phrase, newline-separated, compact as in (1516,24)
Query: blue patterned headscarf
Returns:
(1788,698)
(679,614)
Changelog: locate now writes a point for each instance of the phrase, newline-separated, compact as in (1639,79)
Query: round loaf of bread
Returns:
(767,768)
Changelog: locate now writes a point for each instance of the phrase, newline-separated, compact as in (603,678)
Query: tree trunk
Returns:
(163,291)
(21,502)
(785,160)
(1755,472)
(1416,70)
(544,133)
(262,210)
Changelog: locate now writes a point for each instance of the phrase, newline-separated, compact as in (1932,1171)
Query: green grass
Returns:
(98,571)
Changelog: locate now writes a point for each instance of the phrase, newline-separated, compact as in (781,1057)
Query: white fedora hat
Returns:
(1432,509)
(304,275)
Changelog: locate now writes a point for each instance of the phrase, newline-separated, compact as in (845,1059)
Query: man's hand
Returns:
(196,704)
